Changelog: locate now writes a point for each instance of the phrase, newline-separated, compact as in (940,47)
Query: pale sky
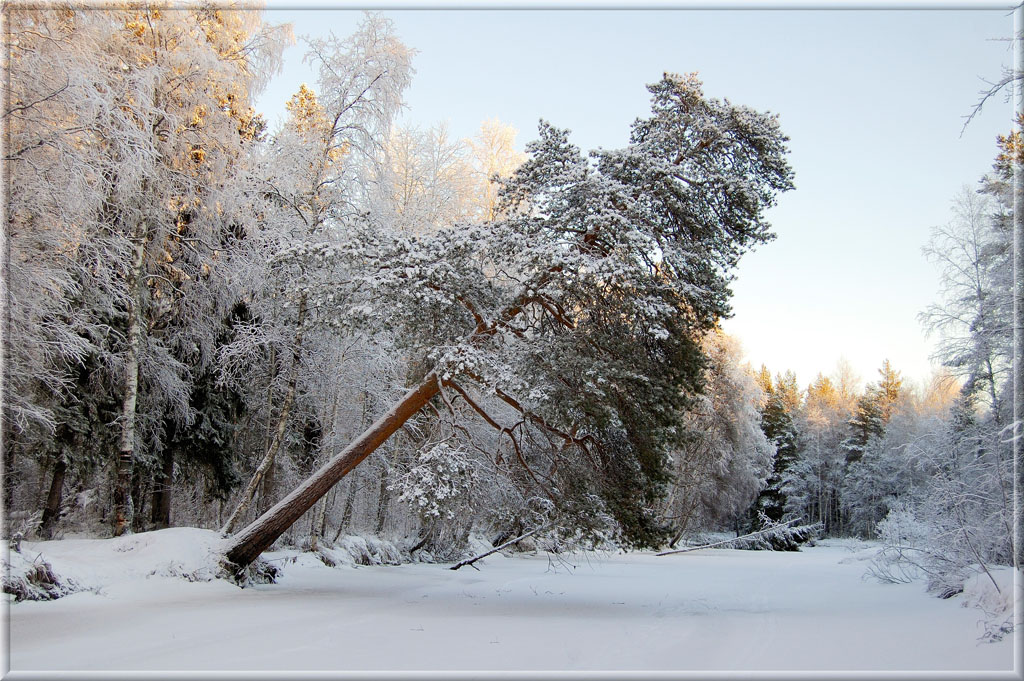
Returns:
(873,101)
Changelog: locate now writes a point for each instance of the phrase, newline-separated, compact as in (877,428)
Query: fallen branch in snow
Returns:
(510,542)
(793,535)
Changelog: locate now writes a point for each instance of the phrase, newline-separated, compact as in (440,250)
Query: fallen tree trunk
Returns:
(804,532)
(510,542)
(264,531)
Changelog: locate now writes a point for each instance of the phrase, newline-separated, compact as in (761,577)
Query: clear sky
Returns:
(873,101)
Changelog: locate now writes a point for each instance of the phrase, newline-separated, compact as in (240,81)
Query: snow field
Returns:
(713,609)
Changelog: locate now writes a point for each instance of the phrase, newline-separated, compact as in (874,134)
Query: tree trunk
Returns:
(259,535)
(124,511)
(383,499)
(328,505)
(315,522)
(53,499)
(10,476)
(510,542)
(282,423)
(162,493)
(139,489)
(346,514)
(269,482)
(319,524)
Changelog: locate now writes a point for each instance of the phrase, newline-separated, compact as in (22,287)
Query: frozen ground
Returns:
(704,610)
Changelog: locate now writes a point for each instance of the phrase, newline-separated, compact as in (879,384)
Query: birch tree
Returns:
(494,156)
(313,178)
(973,318)
(153,112)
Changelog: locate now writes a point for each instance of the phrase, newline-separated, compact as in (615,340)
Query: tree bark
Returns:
(346,514)
(266,464)
(269,483)
(53,499)
(383,498)
(139,490)
(319,523)
(260,534)
(124,511)
(10,476)
(315,523)
(162,493)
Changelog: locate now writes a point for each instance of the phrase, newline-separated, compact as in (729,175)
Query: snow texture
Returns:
(706,610)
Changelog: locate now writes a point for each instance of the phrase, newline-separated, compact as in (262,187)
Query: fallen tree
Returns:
(510,542)
(579,313)
(774,537)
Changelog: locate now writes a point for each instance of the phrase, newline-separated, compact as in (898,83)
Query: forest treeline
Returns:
(202,312)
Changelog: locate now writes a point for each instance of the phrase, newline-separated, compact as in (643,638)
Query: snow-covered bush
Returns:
(905,542)
(356,550)
(993,593)
(33,579)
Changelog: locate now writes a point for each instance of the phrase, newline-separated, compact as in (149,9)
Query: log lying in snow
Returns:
(510,542)
(776,537)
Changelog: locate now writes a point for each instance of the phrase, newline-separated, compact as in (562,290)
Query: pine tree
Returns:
(874,409)
(870,473)
(582,310)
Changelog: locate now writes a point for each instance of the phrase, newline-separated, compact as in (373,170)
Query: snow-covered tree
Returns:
(147,124)
(973,319)
(779,411)
(812,483)
(313,178)
(891,470)
(725,457)
(424,181)
(872,414)
(582,310)
(494,156)
(963,513)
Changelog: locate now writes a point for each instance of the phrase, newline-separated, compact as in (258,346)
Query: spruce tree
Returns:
(874,409)
(777,422)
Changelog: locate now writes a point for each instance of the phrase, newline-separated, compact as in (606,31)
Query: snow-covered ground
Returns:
(705,610)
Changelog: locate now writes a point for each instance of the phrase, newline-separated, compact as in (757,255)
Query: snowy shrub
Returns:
(779,537)
(942,553)
(992,592)
(23,523)
(356,550)
(904,552)
(901,528)
(179,569)
(34,580)
(775,536)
